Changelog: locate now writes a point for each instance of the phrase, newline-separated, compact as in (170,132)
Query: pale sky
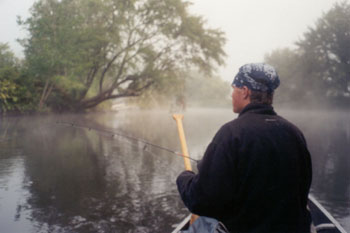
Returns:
(253,27)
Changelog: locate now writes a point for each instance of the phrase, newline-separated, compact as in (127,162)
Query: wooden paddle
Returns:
(178,118)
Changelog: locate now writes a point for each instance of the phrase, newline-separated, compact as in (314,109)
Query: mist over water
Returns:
(328,137)
(57,178)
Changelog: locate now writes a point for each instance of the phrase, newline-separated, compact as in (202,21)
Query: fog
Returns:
(57,178)
(253,27)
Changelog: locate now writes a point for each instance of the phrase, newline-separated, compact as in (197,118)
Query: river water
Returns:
(58,178)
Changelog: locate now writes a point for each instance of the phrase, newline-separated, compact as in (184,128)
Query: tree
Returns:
(9,95)
(326,48)
(208,91)
(291,69)
(318,70)
(7,58)
(85,52)
(195,90)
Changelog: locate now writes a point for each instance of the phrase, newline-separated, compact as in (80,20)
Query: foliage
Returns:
(9,89)
(82,53)
(208,91)
(193,88)
(7,95)
(17,88)
(290,70)
(105,49)
(327,50)
(317,71)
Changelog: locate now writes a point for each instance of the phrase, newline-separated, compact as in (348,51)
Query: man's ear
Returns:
(246,92)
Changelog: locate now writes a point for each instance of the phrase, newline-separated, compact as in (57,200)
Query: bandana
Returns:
(257,77)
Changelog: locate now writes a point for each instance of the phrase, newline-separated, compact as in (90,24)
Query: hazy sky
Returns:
(253,27)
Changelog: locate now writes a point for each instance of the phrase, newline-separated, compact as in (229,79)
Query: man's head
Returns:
(254,83)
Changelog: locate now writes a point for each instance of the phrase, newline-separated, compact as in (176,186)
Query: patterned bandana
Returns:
(257,77)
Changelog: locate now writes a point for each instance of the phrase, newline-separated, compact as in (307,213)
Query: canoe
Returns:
(322,220)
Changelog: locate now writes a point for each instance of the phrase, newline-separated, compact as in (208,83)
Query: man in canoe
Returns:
(256,173)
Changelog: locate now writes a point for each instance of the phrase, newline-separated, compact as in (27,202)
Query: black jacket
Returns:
(255,175)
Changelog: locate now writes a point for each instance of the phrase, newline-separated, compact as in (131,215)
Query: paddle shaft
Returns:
(178,118)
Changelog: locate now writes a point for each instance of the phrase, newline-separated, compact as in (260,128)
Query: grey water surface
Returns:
(58,178)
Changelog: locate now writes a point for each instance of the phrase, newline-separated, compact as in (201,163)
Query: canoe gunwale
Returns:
(327,214)
(320,208)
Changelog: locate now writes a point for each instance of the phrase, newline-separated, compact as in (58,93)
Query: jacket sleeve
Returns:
(211,190)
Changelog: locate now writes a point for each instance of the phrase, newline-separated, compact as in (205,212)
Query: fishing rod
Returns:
(113,133)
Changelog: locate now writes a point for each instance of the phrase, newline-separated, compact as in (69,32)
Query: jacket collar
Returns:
(258,109)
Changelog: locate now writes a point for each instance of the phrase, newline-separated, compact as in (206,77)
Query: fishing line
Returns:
(113,133)
(146,150)
(157,160)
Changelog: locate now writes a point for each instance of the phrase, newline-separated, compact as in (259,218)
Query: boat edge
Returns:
(328,215)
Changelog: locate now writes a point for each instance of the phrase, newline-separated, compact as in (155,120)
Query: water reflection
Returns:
(81,181)
(328,136)
(55,178)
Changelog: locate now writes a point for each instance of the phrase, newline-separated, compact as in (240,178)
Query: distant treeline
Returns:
(196,90)
(82,54)
(317,72)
